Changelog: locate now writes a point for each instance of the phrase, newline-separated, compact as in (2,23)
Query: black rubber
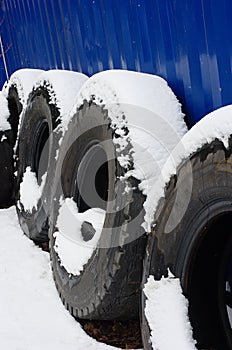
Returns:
(7,142)
(15,109)
(6,170)
(36,149)
(198,248)
(109,286)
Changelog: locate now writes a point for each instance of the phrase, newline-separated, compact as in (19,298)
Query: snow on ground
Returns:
(167,314)
(32,315)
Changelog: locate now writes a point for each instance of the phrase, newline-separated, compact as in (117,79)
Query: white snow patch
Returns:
(63,87)
(215,125)
(23,80)
(73,251)
(166,311)
(3,138)
(146,106)
(4,113)
(32,315)
(30,191)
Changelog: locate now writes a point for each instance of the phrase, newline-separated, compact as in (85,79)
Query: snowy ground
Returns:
(32,315)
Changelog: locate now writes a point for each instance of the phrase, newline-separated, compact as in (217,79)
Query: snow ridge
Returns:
(166,311)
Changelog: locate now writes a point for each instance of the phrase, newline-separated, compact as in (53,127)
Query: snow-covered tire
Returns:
(198,248)
(39,119)
(15,108)
(10,110)
(7,141)
(117,122)
(41,129)
(15,92)
(107,285)
(6,171)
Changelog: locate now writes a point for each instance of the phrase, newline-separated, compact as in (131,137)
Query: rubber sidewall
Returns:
(108,287)
(39,110)
(177,250)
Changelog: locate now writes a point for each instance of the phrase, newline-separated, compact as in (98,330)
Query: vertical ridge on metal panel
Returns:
(111,34)
(76,63)
(90,37)
(66,44)
(99,38)
(186,23)
(83,41)
(57,34)
(48,31)
(27,34)
(12,58)
(135,36)
(219,38)
(106,55)
(152,36)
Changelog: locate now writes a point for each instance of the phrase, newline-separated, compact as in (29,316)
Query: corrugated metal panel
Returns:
(188,42)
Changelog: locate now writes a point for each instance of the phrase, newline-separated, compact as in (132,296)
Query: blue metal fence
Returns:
(188,42)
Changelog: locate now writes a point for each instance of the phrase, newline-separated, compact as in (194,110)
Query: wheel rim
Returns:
(91,180)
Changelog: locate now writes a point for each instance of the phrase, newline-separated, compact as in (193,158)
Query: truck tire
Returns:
(198,249)
(6,171)
(7,142)
(34,152)
(15,108)
(107,287)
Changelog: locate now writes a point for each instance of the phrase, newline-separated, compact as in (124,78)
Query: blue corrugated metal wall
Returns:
(188,42)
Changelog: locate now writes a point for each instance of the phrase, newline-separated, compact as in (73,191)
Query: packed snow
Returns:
(4,115)
(141,103)
(23,80)
(63,87)
(147,107)
(215,125)
(74,252)
(30,191)
(167,313)
(32,315)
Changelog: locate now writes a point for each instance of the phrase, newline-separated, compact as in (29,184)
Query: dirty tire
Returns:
(36,150)
(198,249)
(108,286)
